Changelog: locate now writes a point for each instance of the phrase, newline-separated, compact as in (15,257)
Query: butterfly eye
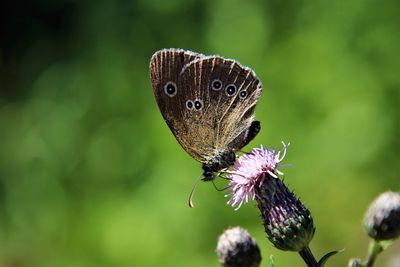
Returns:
(198,104)
(189,104)
(170,89)
(243,94)
(216,85)
(230,89)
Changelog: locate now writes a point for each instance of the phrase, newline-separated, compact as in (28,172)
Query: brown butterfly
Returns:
(208,103)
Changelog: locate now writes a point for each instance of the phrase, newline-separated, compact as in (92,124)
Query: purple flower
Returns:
(287,222)
(249,172)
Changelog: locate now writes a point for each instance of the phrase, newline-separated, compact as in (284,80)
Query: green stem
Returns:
(308,257)
(374,249)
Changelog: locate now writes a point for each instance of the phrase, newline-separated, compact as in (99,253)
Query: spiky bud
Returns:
(287,222)
(236,248)
(382,219)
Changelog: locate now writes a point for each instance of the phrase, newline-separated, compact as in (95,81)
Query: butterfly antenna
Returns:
(192,192)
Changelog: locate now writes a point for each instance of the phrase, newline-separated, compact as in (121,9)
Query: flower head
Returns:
(287,222)
(249,172)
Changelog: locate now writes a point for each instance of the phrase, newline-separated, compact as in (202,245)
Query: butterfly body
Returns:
(208,103)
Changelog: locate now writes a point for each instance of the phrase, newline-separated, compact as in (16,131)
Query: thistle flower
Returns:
(236,248)
(287,222)
(382,220)
(250,170)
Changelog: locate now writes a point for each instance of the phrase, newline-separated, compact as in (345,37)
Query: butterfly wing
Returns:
(165,68)
(207,121)
(222,124)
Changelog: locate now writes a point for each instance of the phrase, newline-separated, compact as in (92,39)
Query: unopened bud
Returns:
(236,248)
(382,220)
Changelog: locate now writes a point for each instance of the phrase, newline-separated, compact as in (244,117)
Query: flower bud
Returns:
(236,248)
(355,263)
(287,222)
(382,219)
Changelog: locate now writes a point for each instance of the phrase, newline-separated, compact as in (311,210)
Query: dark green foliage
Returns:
(90,175)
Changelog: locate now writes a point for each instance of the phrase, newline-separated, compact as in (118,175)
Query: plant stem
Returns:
(308,257)
(374,249)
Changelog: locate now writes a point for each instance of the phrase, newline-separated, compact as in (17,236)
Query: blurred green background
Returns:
(90,174)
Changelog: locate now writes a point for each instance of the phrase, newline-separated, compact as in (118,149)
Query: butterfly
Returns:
(208,102)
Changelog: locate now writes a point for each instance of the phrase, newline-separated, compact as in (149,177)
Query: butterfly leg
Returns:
(223,174)
(209,174)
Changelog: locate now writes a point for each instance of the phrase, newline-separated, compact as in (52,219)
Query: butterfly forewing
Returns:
(165,68)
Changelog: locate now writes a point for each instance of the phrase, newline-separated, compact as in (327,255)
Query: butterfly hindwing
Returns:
(226,116)
(207,101)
